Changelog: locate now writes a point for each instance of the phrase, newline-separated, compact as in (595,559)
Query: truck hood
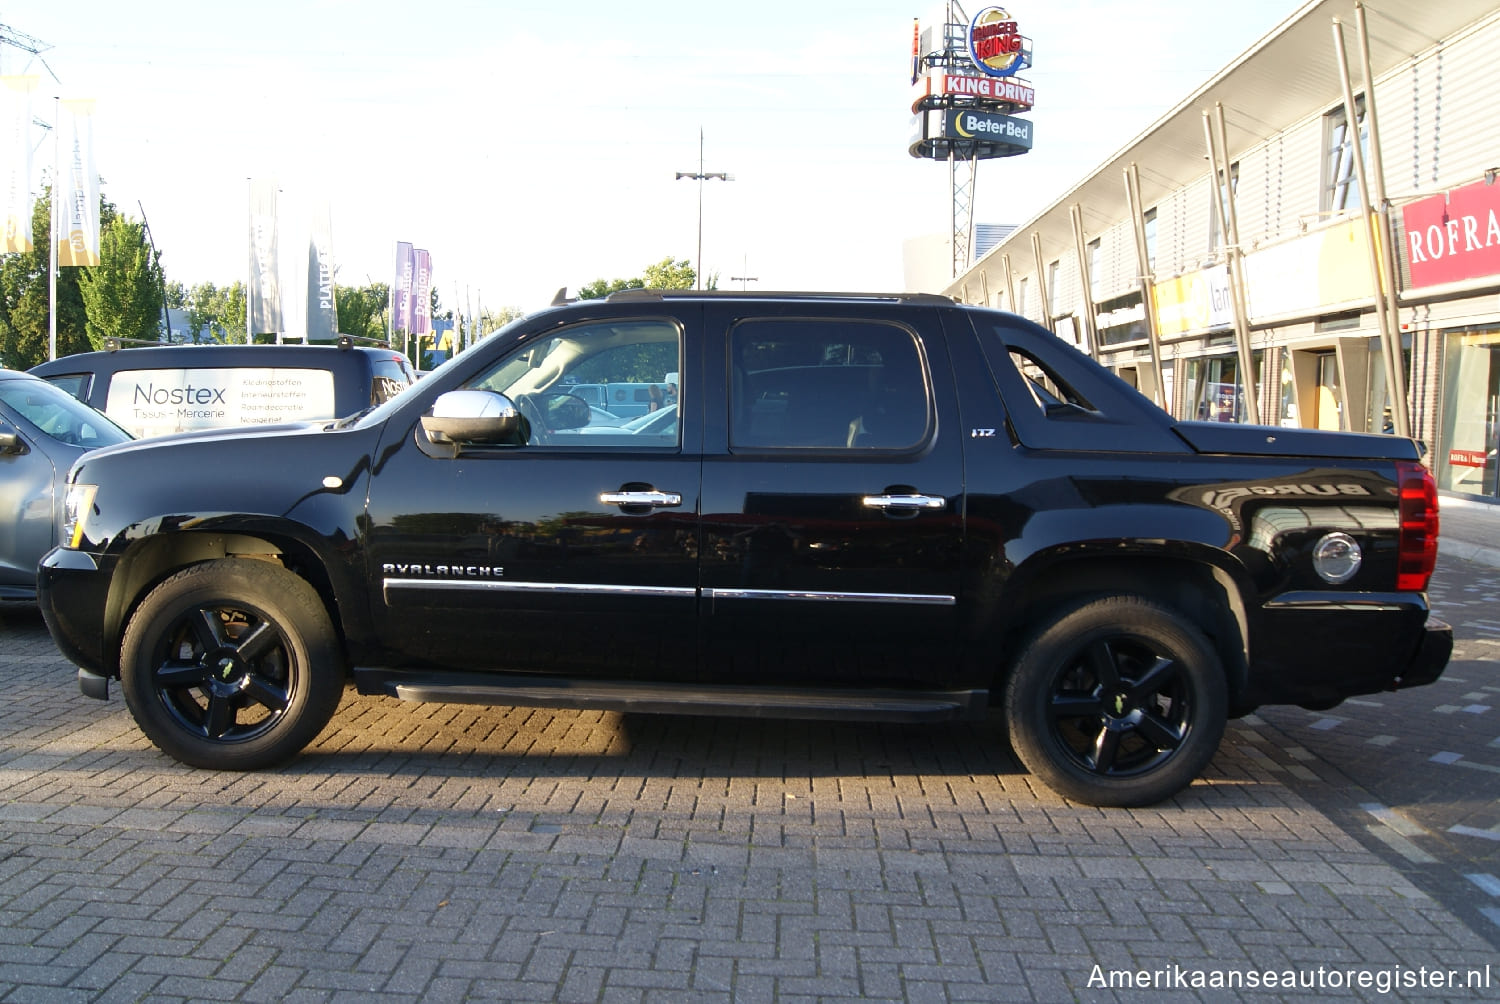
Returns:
(1274,441)
(226,435)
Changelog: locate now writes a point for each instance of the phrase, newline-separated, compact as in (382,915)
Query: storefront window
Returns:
(1471,401)
(1381,417)
(1288,410)
(1212,391)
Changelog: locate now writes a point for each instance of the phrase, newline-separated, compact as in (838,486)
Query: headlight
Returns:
(77,505)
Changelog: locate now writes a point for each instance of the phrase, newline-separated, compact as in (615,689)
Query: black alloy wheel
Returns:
(1117,701)
(231,664)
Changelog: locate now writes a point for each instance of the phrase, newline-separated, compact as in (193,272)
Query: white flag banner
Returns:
(263,292)
(15,162)
(80,189)
(322,311)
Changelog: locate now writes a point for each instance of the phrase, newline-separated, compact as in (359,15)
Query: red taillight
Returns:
(1417,551)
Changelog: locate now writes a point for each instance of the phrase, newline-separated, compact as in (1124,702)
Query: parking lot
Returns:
(444,852)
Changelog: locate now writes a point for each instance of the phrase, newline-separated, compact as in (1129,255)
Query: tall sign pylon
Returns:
(967,96)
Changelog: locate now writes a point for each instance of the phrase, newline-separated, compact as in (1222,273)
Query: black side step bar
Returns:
(880,705)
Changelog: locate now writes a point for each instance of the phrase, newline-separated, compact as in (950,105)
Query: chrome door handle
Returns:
(654,499)
(905,502)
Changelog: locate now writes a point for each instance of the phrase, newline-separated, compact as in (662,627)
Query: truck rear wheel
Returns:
(232,664)
(1117,701)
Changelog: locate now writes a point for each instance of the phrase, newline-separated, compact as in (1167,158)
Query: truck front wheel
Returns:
(1117,701)
(231,664)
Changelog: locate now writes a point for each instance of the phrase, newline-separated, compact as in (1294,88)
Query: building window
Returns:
(1150,227)
(1226,194)
(1471,414)
(1021,298)
(1095,267)
(1212,391)
(1054,277)
(1340,186)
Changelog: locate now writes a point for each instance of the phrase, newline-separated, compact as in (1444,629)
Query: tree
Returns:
(215,313)
(665,274)
(669,274)
(362,310)
(122,295)
(24,307)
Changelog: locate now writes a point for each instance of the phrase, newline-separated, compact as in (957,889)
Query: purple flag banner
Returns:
(422,295)
(403,287)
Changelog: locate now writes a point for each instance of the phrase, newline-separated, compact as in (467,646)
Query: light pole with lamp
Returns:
(700,176)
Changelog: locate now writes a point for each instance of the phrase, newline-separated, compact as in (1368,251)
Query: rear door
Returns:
(832,499)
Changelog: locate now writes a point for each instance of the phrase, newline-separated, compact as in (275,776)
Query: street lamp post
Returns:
(700,176)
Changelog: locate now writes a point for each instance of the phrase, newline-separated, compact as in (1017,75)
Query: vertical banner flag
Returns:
(15,162)
(263,292)
(322,312)
(402,288)
(422,295)
(79,210)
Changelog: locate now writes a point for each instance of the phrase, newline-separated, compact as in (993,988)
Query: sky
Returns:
(534,146)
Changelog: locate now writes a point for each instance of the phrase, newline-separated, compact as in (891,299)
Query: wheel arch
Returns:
(158,556)
(1201,590)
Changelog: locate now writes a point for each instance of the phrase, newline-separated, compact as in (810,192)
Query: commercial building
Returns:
(1232,236)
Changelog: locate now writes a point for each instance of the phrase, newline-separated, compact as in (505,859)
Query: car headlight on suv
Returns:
(77,505)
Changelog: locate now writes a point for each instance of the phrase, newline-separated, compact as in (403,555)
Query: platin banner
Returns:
(402,287)
(421,311)
(263,292)
(15,162)
(322,311)
(79,245)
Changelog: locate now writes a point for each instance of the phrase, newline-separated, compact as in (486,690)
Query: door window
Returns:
(826,385)
(612,385)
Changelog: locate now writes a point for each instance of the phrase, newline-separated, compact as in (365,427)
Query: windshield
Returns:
(58,414)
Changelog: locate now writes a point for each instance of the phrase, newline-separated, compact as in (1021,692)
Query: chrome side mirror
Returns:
(478,417)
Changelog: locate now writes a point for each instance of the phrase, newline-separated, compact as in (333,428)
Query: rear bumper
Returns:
(1431,658)
(1318,648)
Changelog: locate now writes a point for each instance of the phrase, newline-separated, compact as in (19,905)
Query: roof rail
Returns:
(766,294)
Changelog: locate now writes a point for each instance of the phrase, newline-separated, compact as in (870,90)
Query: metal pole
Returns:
(1382,208)
(1085,282)
(1146,278)
(1010,285)
(1237,272)
(1041,282)
(53,229)
(1389,340)
(700,176)
(1223,192)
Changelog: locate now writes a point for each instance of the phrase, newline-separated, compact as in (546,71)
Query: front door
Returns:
(573,553)
(832,494)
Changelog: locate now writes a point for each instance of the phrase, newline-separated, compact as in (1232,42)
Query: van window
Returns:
(159,401)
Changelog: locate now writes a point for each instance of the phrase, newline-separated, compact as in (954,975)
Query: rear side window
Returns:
(77,384)
(160,401)
(826,385)
(390,378)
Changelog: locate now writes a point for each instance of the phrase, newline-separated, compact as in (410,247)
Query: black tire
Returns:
(1117,701)
(232,664)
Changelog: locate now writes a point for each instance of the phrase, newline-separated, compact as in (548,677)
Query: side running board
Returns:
(880,705)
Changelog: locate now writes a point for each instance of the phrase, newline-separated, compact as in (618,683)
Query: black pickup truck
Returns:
(838,506)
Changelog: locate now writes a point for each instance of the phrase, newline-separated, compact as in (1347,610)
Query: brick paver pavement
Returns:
(442,852)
